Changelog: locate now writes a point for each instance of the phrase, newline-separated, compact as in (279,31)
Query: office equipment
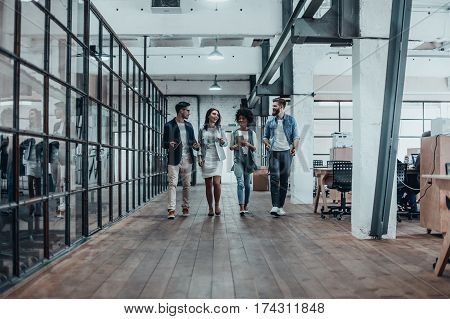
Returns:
(317,163)
(342,139)
(440,126)
(435,153)
(342,182)
(414,159)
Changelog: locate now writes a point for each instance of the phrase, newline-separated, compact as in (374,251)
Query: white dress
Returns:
(212,165)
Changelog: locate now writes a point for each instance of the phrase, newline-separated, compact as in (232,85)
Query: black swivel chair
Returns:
(342,181)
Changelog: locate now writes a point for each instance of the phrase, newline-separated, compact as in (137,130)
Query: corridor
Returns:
(256,256)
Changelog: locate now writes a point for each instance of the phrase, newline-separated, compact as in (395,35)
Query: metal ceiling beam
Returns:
(340,22)
(281,50)
(393,94)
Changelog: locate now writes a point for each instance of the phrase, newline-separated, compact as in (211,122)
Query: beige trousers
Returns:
(184,169)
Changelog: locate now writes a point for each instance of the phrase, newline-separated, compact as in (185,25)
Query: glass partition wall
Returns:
(80,131)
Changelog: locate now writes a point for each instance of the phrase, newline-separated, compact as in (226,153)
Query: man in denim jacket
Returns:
(281,138)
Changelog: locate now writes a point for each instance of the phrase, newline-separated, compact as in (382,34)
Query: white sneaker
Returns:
(274,211)
(281,212)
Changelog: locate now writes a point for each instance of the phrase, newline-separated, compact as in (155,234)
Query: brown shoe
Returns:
(185,212)
(171,214)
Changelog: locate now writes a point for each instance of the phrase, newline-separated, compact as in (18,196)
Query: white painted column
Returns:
(369,76)
(305,58)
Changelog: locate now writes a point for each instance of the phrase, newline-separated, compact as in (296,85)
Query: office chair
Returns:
(342,181)
(406,204)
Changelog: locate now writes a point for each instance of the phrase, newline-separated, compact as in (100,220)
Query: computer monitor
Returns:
(414,159)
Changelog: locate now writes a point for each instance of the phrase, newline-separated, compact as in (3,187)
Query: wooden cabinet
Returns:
(434,153)
(341,154)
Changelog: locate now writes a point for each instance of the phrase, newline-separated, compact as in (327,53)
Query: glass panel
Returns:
(105,206)
(31,167)
(75,166)
(326,110)
(57,109)
(7,24)
(123,164)
(322,145)
(346,110)
(411,110)
(6,169)
(94,36)
(6,92)
(115,201)
(116,50)
(6,264)
(411,128)
(115,129)
(93,121)
(116,90)
(58,51)
(78,19)
(427,125)
(123,190)
(436,110)
(93,210)
(347,126)
(76,208)
(56,227)
(31,236)
(59,10)
(92,165)
(93,77)
(116,166)
(104,157)
(105,126)
(76,118)
(106,47)
(124,65)
(31,100)
(105,85)
(32,34)
(325,127)
(77,57)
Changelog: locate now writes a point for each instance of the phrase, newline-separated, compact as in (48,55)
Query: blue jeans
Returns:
(243,182)
(280,168)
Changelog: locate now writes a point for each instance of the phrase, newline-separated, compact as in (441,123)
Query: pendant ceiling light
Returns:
(215,86)
(215,55)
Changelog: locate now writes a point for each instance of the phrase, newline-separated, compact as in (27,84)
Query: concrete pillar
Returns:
(369,75)
(305,58)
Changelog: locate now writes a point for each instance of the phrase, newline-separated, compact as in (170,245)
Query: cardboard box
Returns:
(261,179)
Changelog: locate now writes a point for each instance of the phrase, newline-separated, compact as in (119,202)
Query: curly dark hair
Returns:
(245,113)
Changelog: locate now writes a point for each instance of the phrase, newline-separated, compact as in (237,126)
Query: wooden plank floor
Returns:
(297,256)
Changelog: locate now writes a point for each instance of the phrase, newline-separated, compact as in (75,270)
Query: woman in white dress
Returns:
(212,140)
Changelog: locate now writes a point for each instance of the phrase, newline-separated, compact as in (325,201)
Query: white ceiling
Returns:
(179,42)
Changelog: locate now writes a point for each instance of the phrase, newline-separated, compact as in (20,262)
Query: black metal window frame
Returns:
(423,119)
(143,129)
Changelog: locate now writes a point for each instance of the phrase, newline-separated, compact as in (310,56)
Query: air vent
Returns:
(166,6)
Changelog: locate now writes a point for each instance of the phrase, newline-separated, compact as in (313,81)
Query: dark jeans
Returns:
(280,168)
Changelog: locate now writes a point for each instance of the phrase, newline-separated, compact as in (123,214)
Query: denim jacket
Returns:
(290,127)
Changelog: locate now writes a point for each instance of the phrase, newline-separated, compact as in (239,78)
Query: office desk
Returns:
(321,173)
(443,181)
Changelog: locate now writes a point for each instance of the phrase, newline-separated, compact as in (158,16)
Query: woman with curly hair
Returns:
(243,145)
